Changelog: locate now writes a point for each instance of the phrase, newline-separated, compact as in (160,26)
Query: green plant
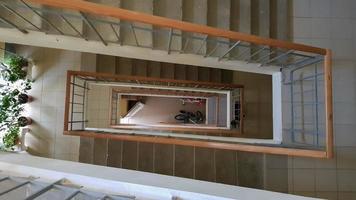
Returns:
(14,68)
(11,137)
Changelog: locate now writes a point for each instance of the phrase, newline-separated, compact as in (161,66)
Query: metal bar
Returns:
(73,122)
(305,62)
(134,34)
(78,112)
(14,188)
(170,41)
(72,104)
(43,190)
(72,26)
(116,33)
(277,57)
(83,125)
(292,106)
(202,44)
(316,105)
(265,56)
(4,178)
(255,53)
(79,95)
(76,103)
(43,18)
(13,25)
(20,16)
(230,49)
(212,51)
(185,45)
(91,25)
(79,86)
(75,193)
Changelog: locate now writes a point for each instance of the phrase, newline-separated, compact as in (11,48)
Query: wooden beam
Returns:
(204,144)
(328,104)
(116,77)
(164,92)
(122,14)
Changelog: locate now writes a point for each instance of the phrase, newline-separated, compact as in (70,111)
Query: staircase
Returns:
(259,17)
(223,166)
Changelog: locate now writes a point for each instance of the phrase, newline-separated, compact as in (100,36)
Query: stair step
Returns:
(250,170)
(123,66)
(145,161)
(130,155)
(226,166)
(86,150)
(106,64)
(170,9)
(163,159)
(128,35)
(218,16)
(260,21)
(195,11)
(204,164)
(180,72)
(192,73)
(204,74)
(139,67)
(114,153)
(167,70)
(184,161)
(215,75)
(106,31)
(240,20)
(154,69)
(100,151)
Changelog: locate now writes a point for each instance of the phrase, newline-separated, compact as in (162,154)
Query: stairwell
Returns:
(223,166)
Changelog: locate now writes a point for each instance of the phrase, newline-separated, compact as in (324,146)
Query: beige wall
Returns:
(47,110)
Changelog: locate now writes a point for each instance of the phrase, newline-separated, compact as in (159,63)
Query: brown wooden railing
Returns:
(122,14)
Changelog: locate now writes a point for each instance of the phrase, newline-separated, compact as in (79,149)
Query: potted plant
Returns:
(24,121)
(11,137)
(15,68)
(24,98)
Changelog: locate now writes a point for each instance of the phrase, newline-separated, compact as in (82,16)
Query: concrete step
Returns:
(100,156)
(218,16)
(139,67)
(203,74)
(167,70)
(108,32)
(240,20)
(86,150)
(154,69)
(146,157)
(130,155)
(114,153)
(106,64)
(180,72)
(184,161)
(123,66)
(195,11)
(215,75)
(170,9)
(260,22)
(163,159)
(192,73)
(144,38)
(204,164)
(9,14)
(250,170)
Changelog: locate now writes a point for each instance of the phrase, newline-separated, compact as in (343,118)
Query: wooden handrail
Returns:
(123,14)
(328,104)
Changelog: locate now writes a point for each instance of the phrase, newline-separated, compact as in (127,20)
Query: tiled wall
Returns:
(330,24)
(47,110)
